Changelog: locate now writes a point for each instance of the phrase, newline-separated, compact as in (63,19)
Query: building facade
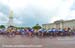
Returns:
(60,24)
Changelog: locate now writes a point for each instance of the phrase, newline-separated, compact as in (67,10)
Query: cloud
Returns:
(64,11)
(3,19)
(4,9)
(31,12)
(31,16)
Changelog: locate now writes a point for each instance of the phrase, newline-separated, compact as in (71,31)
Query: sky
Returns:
(32,12)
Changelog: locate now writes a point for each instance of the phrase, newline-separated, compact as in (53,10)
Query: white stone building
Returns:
(60,24)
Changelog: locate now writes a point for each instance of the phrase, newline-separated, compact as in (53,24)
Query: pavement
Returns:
(35,42)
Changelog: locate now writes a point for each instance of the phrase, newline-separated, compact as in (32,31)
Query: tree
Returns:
(2,26)
(28,27)
(19,27)
(37,26)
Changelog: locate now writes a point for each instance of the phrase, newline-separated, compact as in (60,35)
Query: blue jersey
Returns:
(31,30)
(42,30)
(61,30)
(3,30)
(54,30)
(21,30)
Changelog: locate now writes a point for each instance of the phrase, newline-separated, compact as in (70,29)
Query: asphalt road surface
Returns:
(35,42)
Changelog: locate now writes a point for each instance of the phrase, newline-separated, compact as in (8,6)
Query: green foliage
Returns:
(27,27)
(2,26)
(22,27)
(19,27)
(37,26)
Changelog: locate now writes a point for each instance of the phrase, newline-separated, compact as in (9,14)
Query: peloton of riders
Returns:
(11,30)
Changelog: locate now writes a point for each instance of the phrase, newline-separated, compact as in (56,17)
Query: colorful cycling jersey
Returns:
(8,30)
(61,30)
(49,30)
(31,30)
(54,30)
(3,30)
(42,30)
(21,30)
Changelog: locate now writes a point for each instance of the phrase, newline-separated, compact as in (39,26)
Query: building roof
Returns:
(58,21)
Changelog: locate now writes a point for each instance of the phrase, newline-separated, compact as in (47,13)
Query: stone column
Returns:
(61,25)
(10,22)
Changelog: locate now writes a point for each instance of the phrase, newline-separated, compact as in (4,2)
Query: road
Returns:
(35,42)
